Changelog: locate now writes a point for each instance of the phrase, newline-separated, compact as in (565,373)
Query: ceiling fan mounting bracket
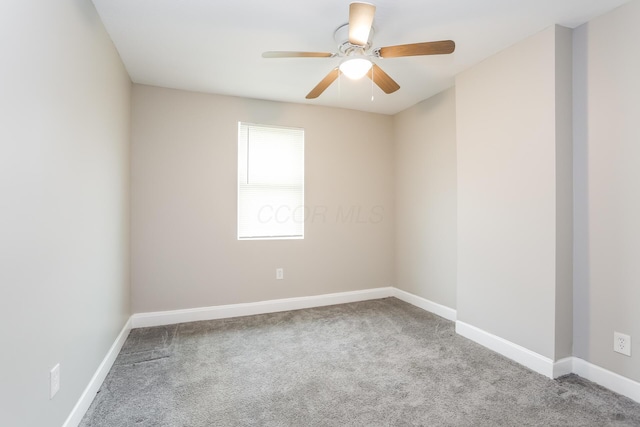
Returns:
(354,40)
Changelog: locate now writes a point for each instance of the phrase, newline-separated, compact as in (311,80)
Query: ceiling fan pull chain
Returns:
(355,49)
(372,78)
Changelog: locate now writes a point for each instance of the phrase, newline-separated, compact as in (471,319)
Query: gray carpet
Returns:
(374,363)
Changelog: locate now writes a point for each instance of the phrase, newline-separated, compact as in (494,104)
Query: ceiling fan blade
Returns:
(360,21)
(324,83)
(427,48)
(285,54)
(382,79)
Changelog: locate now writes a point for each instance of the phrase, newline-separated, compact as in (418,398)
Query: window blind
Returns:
(270,182)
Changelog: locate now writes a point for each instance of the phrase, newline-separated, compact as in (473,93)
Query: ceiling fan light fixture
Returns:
(355,48)
(355,68)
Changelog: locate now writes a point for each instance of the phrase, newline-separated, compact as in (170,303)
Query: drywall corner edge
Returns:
(563,367)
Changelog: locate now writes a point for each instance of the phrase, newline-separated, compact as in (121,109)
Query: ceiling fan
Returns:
(354,45)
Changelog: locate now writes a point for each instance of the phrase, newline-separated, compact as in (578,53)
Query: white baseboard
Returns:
(430,306)
(143,320)
(528,358)
(89,393)
(545,366)
(532,360)
(615,382)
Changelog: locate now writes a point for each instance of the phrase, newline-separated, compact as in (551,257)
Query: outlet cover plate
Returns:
(622,343)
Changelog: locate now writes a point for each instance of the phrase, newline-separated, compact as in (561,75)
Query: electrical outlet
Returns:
(54,381)
(622,343)
(279,273)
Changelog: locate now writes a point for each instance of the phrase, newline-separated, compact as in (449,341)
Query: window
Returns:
(270,182)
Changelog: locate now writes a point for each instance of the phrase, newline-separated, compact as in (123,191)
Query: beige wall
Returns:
(425,192)
(507,182)
(64,211)
(607,198)
(64,150)
(185,252)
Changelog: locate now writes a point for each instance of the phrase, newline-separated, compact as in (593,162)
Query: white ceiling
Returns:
(215,46)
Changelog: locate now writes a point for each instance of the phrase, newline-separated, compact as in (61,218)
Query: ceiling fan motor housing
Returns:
(341,36)
(354,40)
